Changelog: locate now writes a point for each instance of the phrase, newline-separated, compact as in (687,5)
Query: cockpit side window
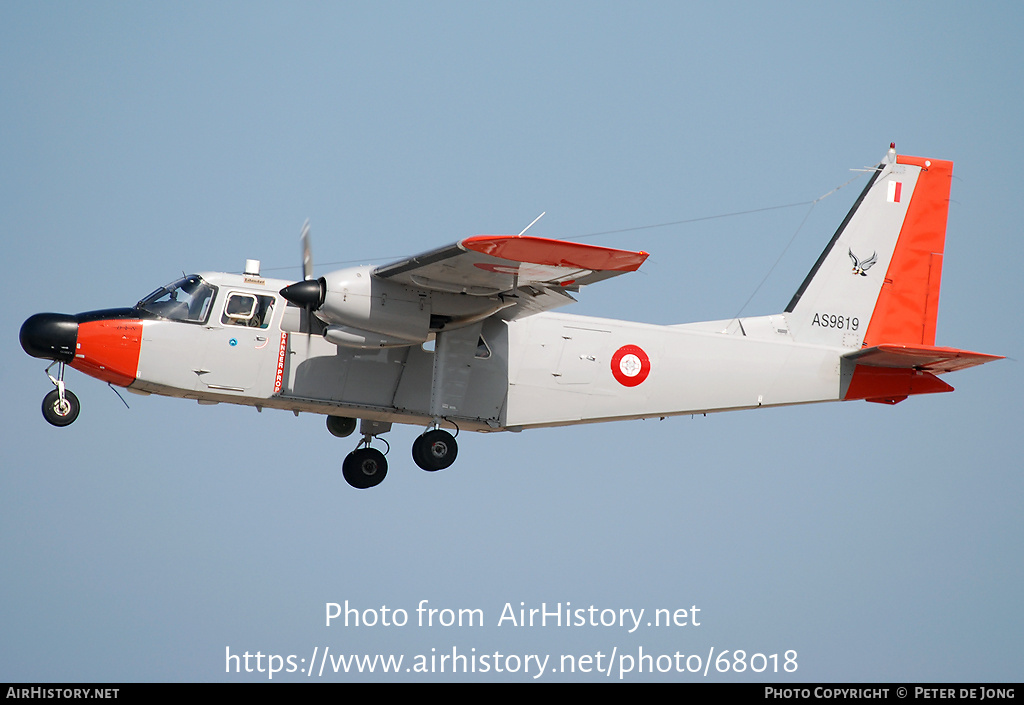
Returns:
(187,299)
(245,309)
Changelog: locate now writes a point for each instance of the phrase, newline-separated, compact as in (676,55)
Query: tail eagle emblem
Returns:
(860,267)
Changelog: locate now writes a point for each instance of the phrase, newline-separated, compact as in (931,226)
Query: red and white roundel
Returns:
(630,365)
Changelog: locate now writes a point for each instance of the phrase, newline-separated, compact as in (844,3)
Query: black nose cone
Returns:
(51,336)
(309,293)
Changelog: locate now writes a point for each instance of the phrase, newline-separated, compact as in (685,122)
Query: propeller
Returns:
(308,293)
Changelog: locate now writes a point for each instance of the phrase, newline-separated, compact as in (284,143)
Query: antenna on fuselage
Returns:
(118,395)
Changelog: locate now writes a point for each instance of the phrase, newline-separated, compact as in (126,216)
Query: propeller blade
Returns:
(307,252)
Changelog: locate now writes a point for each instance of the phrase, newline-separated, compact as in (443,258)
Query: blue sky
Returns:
(143,140)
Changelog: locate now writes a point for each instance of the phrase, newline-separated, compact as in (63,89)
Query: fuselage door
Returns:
(242,344)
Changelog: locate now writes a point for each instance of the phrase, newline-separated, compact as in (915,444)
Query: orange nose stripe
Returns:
(109,350)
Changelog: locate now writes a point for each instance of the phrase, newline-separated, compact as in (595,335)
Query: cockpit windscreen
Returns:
(187,299)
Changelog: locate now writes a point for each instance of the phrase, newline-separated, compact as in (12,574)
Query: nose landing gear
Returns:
(60,406)
(61,411)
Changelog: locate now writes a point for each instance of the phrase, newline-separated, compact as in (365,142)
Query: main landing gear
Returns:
(60,406)
(366,467)
(435,450)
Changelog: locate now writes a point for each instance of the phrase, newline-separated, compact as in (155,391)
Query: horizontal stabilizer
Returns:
(920,357)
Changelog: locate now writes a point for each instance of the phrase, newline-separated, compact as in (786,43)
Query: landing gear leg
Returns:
(453,356)
(366,467)
(60,406)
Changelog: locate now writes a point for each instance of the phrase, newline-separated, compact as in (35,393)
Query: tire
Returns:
(59,414)
(435,450)
(365,468)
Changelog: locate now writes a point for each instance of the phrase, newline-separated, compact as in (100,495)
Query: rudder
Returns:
(908,304)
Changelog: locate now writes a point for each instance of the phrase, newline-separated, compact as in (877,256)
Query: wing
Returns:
(539,273)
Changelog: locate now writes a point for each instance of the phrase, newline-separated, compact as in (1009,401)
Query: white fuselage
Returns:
(560,369)
(549,369)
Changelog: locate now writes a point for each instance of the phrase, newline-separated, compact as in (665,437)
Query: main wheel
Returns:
(364,468)
(61,413)
(435,450)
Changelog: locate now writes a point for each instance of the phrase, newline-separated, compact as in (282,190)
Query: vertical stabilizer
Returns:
(878,280)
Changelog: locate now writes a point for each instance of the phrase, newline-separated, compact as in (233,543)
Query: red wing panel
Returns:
(555,253)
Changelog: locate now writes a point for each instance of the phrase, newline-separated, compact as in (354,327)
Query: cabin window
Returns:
(244,309)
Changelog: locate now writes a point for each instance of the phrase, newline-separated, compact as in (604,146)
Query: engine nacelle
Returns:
(356,303)
(365,311)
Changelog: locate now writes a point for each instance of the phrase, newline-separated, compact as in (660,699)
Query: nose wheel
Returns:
(61,411)
(60,406)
